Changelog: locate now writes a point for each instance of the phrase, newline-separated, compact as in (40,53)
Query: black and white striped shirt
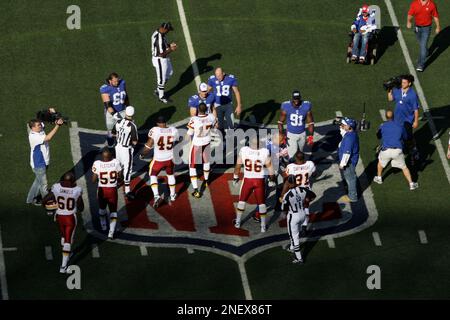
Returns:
(294,199)
(126,132)
(159,43)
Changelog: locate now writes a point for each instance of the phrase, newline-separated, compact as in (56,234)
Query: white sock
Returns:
(172,183)
(112,224)
(154,186)
(65,254)
(127,188)
(262,214)
(161,92)
(206,168)
(239,211)
(193,174)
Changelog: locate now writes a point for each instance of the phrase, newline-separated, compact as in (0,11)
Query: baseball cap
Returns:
(129,111)
(348,122)
(161,119)
(365,8)
(203,87)
(167,25)
(296,95)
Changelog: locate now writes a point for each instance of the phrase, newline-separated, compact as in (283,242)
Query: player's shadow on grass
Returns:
(261,111)
(386,38)
(150,122)
(84,248)
(440,43)
(188,75)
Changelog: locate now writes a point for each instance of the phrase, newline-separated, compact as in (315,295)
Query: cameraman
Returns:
(406,111)
(40,158)
(348,157)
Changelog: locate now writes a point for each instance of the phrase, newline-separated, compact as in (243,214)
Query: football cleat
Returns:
(263,229)
(256,217)
(196,194)
(378,179)
(157,202)
(130,196)
(413,186)
(297,261)
(237,224)
(63,269)
(173,197)
(165,100)
(111,234)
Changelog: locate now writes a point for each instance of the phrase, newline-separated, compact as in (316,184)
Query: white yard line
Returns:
(190,47)
(3,283)
(419,89)
(244,279)
(330,242)
(95,252)
(144,251)
(48,253)
(383,114)
(423,237)
(377,239)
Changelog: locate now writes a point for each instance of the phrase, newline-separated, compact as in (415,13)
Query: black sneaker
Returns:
(298,261)
(37,202)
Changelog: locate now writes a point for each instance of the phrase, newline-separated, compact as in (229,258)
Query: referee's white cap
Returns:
(129,111)
(203,87)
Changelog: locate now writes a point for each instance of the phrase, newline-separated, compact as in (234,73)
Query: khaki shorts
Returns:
(395,155)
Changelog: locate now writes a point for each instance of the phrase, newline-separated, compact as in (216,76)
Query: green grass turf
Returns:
(273,50)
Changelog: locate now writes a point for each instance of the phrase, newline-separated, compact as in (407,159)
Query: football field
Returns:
(191,251)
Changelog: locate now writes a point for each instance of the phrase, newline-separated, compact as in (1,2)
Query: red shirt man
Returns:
(423,11)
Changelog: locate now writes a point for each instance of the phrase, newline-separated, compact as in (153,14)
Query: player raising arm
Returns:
(254,161)
(162,139)
(67,196)
(107,173)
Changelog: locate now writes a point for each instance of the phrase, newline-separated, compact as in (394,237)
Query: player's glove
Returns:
(310,140)
(141,156)
(117,116)
(173,46)
(235,180)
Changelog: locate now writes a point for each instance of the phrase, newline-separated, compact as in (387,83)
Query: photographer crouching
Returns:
(406,113)
(40,151)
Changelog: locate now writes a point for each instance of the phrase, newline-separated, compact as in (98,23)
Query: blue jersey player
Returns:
(297,114)
(115,100)
(203,96)
(223,86)
(406,111)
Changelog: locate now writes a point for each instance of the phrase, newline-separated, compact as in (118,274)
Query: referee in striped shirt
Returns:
(160,59)
(126,134)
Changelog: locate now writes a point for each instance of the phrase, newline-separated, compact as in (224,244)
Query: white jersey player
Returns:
(107,173)
(301,169)
(67,196)
(257,164)
(162,139)
(200,130)
(296,201)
